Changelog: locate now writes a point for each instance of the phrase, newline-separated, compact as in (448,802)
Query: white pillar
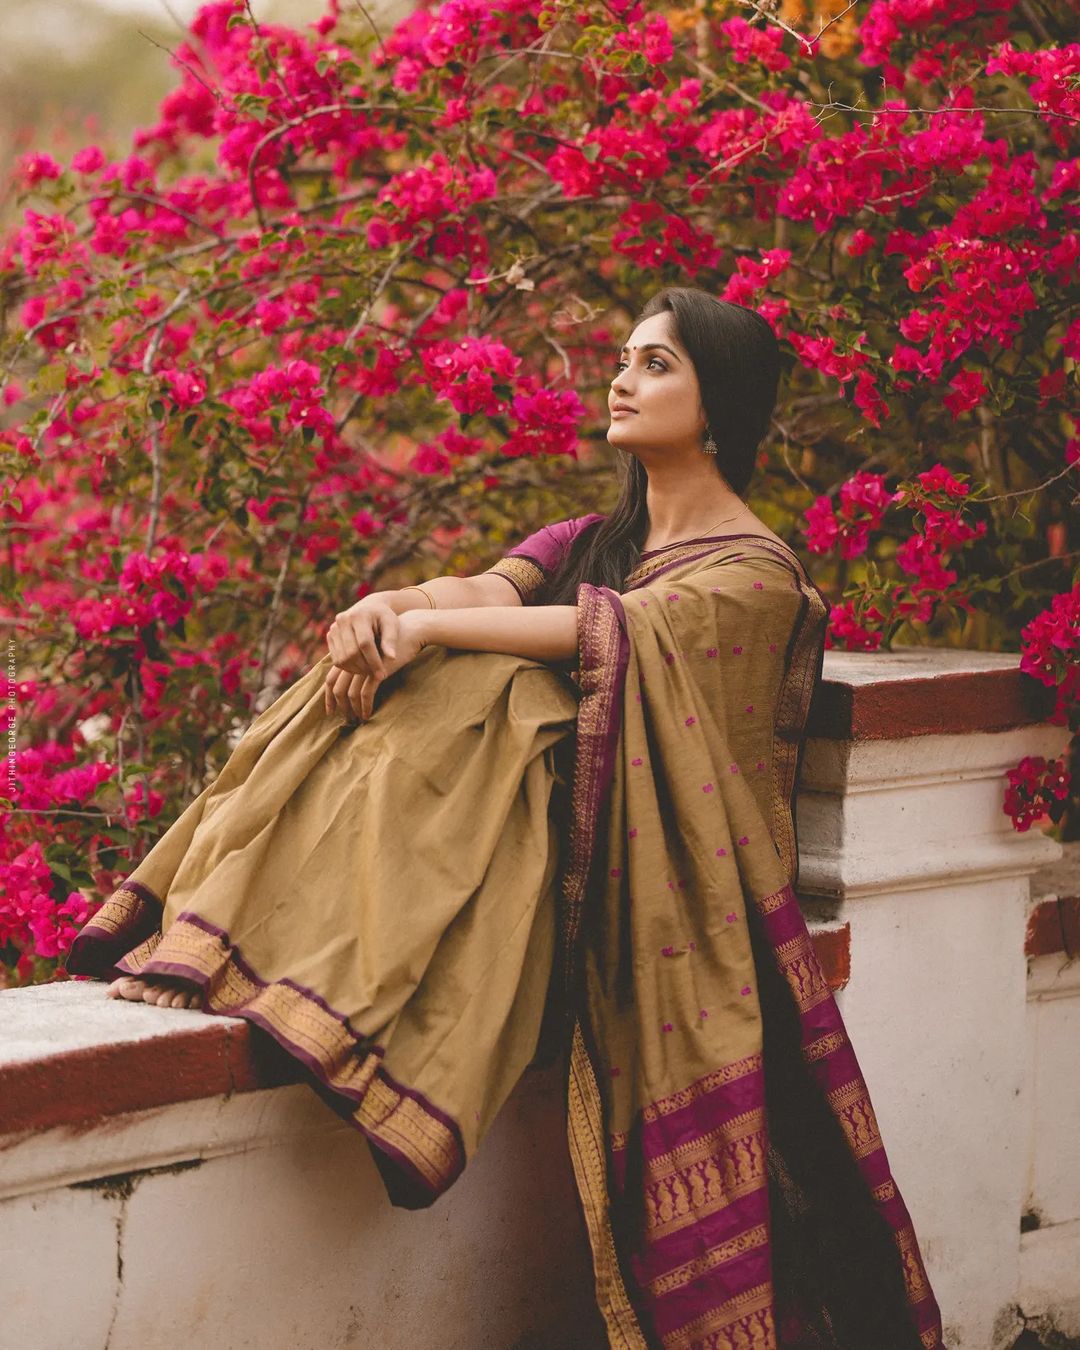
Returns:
(903,835)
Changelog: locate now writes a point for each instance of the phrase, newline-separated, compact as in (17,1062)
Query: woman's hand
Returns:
(360,635)
(350,693)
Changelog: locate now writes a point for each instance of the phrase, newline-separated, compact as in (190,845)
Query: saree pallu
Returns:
(734,1182)
(510,860)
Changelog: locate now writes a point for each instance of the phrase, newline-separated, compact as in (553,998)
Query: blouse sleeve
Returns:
(532,562)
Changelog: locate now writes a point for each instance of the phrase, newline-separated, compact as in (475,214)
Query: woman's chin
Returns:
(618,435)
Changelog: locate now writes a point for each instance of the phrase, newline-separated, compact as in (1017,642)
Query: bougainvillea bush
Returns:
(345,315)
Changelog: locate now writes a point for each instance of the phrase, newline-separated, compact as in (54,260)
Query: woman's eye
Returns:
(619,364)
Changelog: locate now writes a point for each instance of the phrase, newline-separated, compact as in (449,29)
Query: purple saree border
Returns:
(334,1094)
(604,652)
(93,945)
(234,954)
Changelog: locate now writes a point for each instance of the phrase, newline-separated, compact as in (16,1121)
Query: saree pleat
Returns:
(511,862)
(379,898)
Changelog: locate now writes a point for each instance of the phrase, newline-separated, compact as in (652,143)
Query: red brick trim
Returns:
(833,949)
(1054,926)
(82,1087)
(950,704)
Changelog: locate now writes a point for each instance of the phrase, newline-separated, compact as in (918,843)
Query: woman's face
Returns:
(656,378)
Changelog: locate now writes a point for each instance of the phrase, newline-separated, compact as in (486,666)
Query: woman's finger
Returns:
(367,695)
(371,654)
(356,685)
(334,699)
(341,694)
(388,634)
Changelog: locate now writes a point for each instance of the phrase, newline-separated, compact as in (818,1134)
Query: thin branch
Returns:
(279,588)
(374,28)
(1030,491)
(1041,562)
(155,423)
(941,112)
(216,93)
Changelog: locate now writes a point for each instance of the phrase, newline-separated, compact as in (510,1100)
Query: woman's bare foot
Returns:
(165,991)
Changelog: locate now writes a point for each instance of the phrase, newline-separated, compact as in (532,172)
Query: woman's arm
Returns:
(541,632)
(452,593)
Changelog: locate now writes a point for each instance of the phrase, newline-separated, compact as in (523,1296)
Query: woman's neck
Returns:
(670,526)
(689,501)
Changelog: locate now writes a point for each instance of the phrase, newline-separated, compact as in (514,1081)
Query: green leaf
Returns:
(49,379)
(256,106)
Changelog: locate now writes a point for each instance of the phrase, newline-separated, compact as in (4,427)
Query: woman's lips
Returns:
(623,412)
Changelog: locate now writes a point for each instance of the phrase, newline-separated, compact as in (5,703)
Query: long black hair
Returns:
(736,356)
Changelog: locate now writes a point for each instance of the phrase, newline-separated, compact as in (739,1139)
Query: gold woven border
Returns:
(735,1246)
(852,1104)
(728,1073)
(824,1045)
(793,706)
(120,911)
(383,1112)
(802,969)
(599,637)
(736,1320)
(914,1275)
(734,1168)
(747,1125)
(526,575)
(586,1139)
(665,1106)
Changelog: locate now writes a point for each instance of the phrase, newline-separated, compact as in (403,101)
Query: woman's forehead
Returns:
(655,329)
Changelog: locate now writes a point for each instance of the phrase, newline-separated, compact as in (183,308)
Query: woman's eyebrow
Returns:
(652,346)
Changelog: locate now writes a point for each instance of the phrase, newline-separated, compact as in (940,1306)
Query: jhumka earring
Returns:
(710,447)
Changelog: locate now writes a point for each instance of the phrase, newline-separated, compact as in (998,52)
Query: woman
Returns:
(396,903)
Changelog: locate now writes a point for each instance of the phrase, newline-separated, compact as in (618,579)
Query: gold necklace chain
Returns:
(708,529)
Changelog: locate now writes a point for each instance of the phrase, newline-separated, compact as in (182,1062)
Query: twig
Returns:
(374,28)
(180,62)
(1041,562)
(155,423)
(279,588)
(1030,491)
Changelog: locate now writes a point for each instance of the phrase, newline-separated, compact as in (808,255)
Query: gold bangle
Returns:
(427,596)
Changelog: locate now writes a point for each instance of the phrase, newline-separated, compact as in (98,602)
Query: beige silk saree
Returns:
(510,858)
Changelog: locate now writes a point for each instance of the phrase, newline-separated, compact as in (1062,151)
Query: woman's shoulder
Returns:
(555,538)
(570,529)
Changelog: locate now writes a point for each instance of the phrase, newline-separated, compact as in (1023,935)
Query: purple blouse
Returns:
(532,562)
